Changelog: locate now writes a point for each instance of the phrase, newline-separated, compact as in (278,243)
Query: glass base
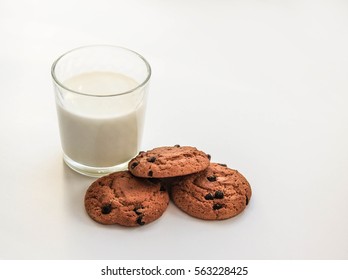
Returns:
(93,171)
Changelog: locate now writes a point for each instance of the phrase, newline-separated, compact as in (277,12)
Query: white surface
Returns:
(260,85)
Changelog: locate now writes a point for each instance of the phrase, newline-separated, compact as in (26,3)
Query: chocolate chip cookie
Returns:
(165,162)
(120,198)
(216,193)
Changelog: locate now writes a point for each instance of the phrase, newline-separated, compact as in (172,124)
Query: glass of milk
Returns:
(100,94)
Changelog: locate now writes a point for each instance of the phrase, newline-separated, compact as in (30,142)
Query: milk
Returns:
(100,130)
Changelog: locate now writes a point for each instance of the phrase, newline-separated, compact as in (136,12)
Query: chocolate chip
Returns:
(209,156)
(211,178)
(219,195)
(106,209)
(151,159)
(209,196)
(177,146)
(136,210)
(150,173)
(222,164)
(217,206)
(247,200)
(134,164)
(139,221)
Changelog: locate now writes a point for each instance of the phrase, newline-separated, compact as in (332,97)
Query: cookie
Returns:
(165,162)
(216,193)
(120,198)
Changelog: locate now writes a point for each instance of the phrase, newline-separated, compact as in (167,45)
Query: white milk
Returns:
(101,131)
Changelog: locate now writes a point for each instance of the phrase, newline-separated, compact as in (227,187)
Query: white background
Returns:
(260,85)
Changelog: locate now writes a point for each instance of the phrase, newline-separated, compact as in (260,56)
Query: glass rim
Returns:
(56,80)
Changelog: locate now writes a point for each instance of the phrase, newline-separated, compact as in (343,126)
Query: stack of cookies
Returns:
(140,195)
